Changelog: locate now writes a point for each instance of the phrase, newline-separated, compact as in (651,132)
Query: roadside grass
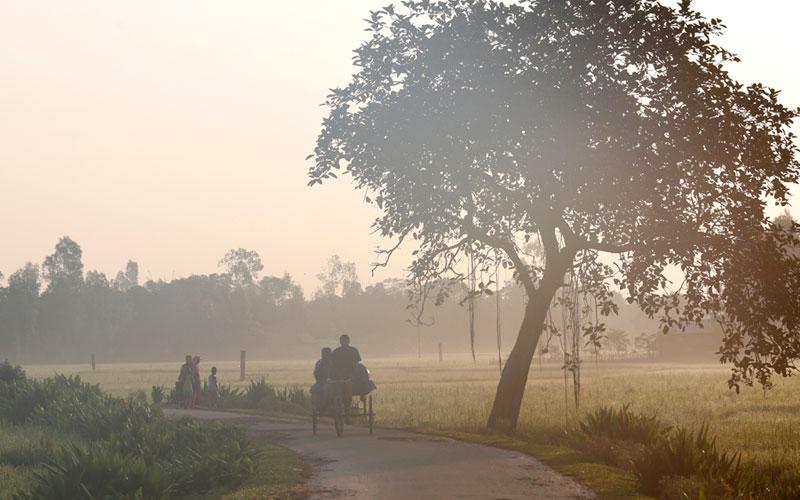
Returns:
(280,475)
(63,438)
(280,472)
(454,397)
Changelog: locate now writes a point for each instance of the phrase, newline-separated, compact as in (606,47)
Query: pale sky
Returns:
(168,132)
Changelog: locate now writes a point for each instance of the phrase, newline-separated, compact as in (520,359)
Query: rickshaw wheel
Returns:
(371,416)
(338,417)
(314,414)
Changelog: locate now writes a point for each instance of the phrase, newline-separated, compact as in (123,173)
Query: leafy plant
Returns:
(98,472)
(258,392)
(157,394)
(229,397)
(686,454)
(128,449)
(11,373)
(294,395)
(623,424)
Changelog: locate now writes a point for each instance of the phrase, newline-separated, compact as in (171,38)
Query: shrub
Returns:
(96,418)
(295,395)
(98,472)
(623,424)
(769,481)
(157,394)
(130,450)
(259,392)
(225,462)
(10,374)
(28,446)
(687,454)
(229,397)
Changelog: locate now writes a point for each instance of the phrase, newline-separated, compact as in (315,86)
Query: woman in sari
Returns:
(197,383)
(184,387)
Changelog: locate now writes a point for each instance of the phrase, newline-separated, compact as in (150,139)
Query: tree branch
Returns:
(508,247)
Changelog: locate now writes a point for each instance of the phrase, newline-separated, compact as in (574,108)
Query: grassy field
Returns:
(456,395)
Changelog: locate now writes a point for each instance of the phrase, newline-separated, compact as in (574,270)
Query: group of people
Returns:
(342,366)
(189,387)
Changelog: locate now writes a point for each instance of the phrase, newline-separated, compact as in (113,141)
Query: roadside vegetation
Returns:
(61,437)
(671,413)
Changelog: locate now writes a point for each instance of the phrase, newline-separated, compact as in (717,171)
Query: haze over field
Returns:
(168,133)
(587,285)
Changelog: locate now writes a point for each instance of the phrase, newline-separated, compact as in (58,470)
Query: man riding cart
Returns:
(339,376)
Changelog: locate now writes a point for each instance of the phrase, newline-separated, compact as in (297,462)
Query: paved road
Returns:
(402,465)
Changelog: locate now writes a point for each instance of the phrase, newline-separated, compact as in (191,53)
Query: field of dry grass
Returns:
(456,395)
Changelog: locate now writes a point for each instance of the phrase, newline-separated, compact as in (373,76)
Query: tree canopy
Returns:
(603,127)
(242,265)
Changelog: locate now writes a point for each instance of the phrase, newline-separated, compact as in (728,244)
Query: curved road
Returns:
(402,465)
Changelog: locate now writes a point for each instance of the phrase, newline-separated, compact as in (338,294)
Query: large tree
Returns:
(242,265)
(605,130)
(63,270)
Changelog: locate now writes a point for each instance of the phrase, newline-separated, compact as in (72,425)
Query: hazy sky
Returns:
(170,131)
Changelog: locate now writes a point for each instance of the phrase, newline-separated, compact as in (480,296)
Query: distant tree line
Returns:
(55,312)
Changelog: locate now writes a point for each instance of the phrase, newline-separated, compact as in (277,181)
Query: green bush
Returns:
(10,373)
(227,460)
(96,418)
(98,472)
(687,454)
(123,448)
(769,481)
(30,446)
(295,395)
(623,424)
(258,392)
(157,394)
(673,463)
(229,397)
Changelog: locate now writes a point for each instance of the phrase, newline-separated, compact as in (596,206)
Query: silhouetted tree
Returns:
(243,265)
(338,278)
(64,268)
(128,278)
(18,310)
(617,340)
(607,126)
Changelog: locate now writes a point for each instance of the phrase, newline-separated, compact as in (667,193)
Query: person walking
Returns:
(213,388)
(184,386)
(197,384)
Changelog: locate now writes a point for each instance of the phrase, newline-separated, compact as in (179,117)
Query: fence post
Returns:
(440,352)
(241,365)
(92,356)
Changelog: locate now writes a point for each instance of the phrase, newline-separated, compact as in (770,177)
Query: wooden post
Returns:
(241,366)
(440,352)
(92,361)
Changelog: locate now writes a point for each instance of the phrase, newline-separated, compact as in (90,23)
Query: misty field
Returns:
(456,395)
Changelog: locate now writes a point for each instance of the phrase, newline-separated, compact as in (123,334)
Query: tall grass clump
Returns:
(676,462)
(623,424)
(122,448)
(687,454)
(98,472)
(259,392)
(157,394)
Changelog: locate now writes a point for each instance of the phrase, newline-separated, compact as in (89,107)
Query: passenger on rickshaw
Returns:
(321,374)
(362,385)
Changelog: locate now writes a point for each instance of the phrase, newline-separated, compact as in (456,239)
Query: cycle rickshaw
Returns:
(332,403)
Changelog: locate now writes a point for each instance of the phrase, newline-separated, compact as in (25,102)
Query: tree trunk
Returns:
(511,388)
